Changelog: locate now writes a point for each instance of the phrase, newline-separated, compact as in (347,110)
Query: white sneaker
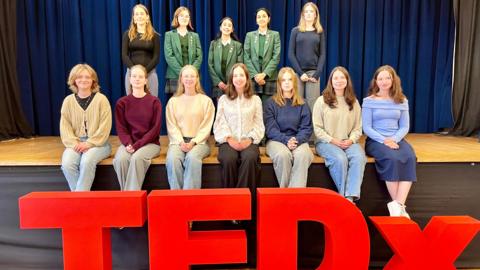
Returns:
(394,208)
(404,212)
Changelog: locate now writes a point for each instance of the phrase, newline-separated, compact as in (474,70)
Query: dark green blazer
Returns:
(271,54)
(173,52)
(235,55)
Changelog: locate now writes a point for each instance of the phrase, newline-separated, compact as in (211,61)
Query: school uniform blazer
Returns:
(173,52)
(235,55)
(271,54)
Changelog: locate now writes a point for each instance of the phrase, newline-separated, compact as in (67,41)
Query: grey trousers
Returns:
(291,167)
(131,168)
(308,90)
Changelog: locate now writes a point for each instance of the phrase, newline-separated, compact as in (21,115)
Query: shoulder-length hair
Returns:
(181,88)
(231,92)
(278,96)
(149,30)
(396,92)
(233,35)
(75,72)
(302,27)
(329,96)
(142,68)
(175,23)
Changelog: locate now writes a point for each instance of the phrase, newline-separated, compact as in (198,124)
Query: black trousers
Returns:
(240,169)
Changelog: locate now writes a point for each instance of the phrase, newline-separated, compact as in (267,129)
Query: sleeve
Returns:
(221,130)
(67,133)
(198,52)
(404,126)
(291,52)
(272,128)
(321,58)
(169,54)
(367,119)
(356,132)
(125,54)
(100,136)
(305,129)
(318,124)
(154,132)
(247,58)
(156,53)
(258,130)
(206,124)
(273,63)
(174,134)
(121,124)
(211,69)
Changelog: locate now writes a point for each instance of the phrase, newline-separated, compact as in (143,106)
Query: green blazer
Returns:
(173,52)
(271,54)
(235,55)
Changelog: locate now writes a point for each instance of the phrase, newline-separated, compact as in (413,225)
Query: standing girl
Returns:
(306,52)
(182,47)
(141,46)
(262,55)
(224,52)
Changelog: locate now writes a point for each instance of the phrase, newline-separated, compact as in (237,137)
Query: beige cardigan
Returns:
(96,120)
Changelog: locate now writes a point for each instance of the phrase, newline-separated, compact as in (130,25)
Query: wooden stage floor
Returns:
(47,151)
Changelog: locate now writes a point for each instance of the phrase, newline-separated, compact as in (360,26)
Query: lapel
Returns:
(217,53)
(230,48)
(268,37)
(191,47)
(176,42)
(256,43)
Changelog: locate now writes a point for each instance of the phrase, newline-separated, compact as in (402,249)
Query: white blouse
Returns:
(240,118)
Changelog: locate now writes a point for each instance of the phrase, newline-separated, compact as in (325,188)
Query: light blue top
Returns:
(385,119)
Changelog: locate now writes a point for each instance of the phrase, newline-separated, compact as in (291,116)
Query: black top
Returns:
(143,52)
(84,102)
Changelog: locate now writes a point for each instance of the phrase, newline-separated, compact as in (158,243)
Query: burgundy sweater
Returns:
(138,120)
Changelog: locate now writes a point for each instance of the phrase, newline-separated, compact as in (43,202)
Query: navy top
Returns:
(284,122)
(385,119)
(306,51)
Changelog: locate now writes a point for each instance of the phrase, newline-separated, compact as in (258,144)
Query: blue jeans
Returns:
(184,170)
(346,167)
(79,168)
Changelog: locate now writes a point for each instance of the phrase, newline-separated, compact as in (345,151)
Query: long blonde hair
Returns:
(396,92)
(302,27)
(149,31)
(76,70)
(181,88)
(278,97)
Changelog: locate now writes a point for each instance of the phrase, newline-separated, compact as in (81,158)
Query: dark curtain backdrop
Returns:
(416,37)
(466,85)
(13,123)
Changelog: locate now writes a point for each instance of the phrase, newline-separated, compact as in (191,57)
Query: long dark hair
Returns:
(329,96)
(233,35)
(396,92)
(231,92)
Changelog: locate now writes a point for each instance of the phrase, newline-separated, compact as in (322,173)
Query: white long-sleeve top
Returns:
(240,118)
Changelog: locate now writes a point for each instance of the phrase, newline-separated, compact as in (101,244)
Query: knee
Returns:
(282,156)
(193,160)
(88,164)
